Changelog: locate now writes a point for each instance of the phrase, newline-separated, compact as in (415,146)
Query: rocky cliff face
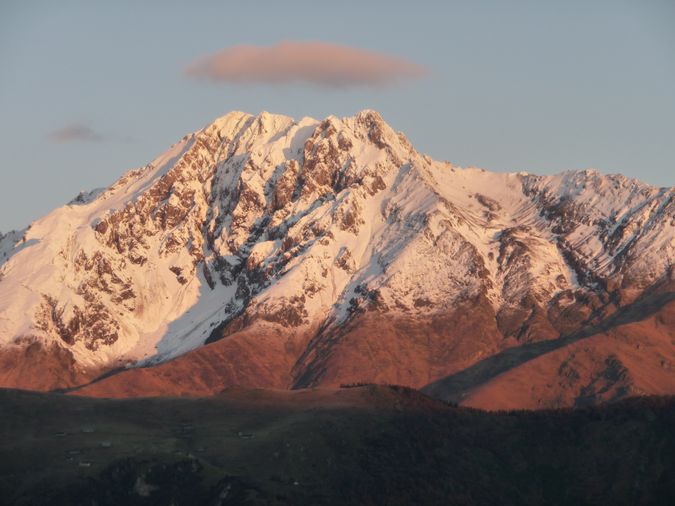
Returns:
(318,253)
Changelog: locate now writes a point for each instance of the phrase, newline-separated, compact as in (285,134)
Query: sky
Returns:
(89,90)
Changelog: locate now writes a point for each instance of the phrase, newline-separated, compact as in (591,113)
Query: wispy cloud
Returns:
(74,132)
(318,63)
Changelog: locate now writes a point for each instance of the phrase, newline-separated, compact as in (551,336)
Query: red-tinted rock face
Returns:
(33,366)
(442,351)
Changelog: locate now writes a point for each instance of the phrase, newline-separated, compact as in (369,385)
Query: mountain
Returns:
(267,252)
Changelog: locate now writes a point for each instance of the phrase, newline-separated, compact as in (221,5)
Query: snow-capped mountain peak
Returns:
(299,227)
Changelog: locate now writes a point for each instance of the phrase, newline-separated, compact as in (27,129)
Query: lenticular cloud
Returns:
(318,63)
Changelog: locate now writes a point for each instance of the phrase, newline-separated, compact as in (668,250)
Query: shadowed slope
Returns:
(361,446)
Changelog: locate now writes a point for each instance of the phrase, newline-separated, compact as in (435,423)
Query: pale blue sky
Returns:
(536,86)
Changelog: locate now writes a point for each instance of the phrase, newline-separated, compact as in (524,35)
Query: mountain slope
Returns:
(317,253)
(356,446)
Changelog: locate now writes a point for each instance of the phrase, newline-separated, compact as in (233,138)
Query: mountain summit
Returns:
(264,251)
